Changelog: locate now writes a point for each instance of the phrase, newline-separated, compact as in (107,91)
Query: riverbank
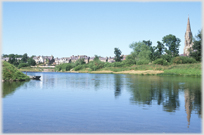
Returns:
(152,69)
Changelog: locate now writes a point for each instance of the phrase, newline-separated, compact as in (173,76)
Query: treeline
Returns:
(165,53)
(23,62)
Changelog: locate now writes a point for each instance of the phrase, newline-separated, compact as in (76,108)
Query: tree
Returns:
(24,58)
(31,62)
(197,49)
(118,57)
(11,58)
(160,49)
(148,43)
(140,51)
(96,58)
(172,43)
(80,62)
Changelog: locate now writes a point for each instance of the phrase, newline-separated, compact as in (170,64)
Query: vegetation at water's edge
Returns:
(11,73)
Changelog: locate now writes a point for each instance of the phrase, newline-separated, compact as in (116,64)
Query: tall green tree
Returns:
(172,43)
(147,42)
(31,62)
(118,57)
(140,51)
(24,58)
(160,49)
(197,47)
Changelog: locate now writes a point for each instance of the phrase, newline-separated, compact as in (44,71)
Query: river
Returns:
(102,103)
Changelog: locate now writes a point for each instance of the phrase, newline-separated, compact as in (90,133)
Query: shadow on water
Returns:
(10,87)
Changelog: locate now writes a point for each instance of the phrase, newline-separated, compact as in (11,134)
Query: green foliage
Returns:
(10,72)
(183,60)
(64,67)
(96,58)
(142,62)
(23,65)
(160,49)
(95,65)
(177,60)
(31,62)
(160,61)
(24,58)
(118,64)
(172,43)
(80,62)
(197,47)
(118,57)
(129,60)
(167,57)
(141,52)
(78,67)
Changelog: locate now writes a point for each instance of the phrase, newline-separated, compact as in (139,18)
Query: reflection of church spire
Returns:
(188,105)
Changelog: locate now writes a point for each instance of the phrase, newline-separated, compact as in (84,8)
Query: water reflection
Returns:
(165,91)
(72,100)
(10,87)
(118,85)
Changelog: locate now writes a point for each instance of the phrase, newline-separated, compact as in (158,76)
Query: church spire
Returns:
(188,26)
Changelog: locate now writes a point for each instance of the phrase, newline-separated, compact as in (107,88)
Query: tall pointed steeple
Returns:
(188,26)
(188,39)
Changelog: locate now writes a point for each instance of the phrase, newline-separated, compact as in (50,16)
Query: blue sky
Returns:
(63,29)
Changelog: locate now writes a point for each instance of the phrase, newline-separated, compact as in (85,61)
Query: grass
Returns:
(174,69)
(184,69)
(11,73)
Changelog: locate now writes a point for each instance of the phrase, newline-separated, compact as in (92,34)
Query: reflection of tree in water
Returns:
(171,100)
(118,84)
(164,90)
(10,87)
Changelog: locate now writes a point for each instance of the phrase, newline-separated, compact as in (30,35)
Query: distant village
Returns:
(56,61)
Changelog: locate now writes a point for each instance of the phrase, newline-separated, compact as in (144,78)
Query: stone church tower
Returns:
(188,40)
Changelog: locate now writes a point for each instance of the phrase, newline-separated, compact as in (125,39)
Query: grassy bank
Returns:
(175,69)
(151,69)
(11,73)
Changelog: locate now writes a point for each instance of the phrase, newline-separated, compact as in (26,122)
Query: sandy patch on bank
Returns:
(132,72)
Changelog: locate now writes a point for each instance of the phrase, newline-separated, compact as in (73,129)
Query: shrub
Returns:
(142,62)
(177,60)
(167,57)
(118,64)
(95,65)
(78,67)
(23,65)
(187,60)
(160,62)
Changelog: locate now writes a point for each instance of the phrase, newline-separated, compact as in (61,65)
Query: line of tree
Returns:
(165,52)
(24,62)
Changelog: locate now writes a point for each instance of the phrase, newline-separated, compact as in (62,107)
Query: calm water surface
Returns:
(102,103)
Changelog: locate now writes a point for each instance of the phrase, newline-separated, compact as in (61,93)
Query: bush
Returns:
(95,65)
(183,60)
(160,62)
(23,65)
(118,64)
(142,62)
(166,57)
(78,67)
(177,60)
(130,60)
(187,60)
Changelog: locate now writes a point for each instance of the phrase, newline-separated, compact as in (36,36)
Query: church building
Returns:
(188,40)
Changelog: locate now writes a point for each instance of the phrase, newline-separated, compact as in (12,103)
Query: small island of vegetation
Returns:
(11,73)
